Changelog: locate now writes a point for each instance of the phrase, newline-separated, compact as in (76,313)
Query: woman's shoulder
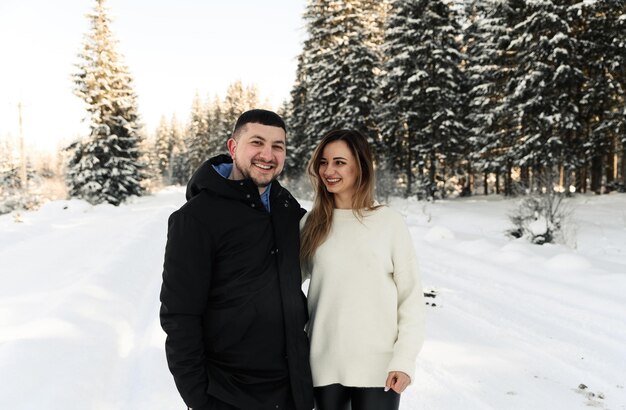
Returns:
(387,213)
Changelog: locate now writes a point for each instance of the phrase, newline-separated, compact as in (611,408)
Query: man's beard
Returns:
(257,182)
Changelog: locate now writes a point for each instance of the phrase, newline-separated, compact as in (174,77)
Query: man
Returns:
(231,302)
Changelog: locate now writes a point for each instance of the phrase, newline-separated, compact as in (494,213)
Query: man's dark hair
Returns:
(258,116)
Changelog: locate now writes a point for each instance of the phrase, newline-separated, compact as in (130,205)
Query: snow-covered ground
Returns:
(511,326)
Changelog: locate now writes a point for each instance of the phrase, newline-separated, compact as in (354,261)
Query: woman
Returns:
(365,298)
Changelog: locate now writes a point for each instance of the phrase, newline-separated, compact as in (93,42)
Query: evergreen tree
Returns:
(491,126)
(336,76)
(197,136)
(220,131)
(601,29)
(252,97)
(421,90)
(235,103)
(7,163)
(545,88)
(178,173)
(10,181)
(299,144)
(351,70)
(13,194)
(238,99)
(106,166)
(211,124)
(163,148)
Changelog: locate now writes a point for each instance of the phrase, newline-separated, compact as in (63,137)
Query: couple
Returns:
(231,300)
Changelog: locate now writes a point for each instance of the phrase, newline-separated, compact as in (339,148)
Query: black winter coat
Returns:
(231,301)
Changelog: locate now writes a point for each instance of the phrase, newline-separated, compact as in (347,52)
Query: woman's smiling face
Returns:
(338,169)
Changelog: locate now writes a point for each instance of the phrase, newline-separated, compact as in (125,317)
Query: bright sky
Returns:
(172,48)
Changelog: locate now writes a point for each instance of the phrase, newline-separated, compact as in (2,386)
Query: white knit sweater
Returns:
(365,301)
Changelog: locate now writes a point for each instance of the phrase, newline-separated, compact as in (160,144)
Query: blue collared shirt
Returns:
(225,170)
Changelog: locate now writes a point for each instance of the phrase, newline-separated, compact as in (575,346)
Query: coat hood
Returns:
(207,178)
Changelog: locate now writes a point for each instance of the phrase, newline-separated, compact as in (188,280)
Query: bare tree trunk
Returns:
(525,176)
(547,176)
(609,172)
(420,179)
(486,183)
(624,165)
(507,191)
(468,187)
(537,177)
(498,182)
(580,180)
(442,170)
(508,182)
(611,167)
(432,171)
(568,180)
(409,173)
(596,174)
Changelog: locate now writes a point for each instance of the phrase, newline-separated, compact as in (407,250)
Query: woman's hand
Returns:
(397,381)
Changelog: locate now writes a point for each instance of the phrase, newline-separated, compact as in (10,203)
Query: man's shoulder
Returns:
(196,203)
(284,197)
(202,206)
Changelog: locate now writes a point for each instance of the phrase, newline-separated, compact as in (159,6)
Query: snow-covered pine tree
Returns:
(220,131)
(336,76)
(9,177)
(251,96)
(357,61)
(148,160)
(178,172)
(211,124)
(299,144)
(197,135)
(106,165)
(163,146)
(237,100)
(13,195)
(10,181)
(235,103)
(421,97)
(601,29)
(396,117)
(489,63)
(545,89)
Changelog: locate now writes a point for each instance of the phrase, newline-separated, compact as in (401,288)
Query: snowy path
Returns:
(516,326)
(79,315)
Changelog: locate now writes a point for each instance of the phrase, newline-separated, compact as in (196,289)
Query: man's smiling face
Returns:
(258,153)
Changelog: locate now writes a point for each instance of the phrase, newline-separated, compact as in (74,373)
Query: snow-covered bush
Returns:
(618,186)
(12,196)
(16,201)
(542,218)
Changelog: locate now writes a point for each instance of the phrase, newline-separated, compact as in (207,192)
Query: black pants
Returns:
(217,404)
(338,397)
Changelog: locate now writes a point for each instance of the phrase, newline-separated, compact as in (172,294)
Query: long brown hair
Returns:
(320,218)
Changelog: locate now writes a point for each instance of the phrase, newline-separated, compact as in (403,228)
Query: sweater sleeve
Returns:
(411,309)
(184,294)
